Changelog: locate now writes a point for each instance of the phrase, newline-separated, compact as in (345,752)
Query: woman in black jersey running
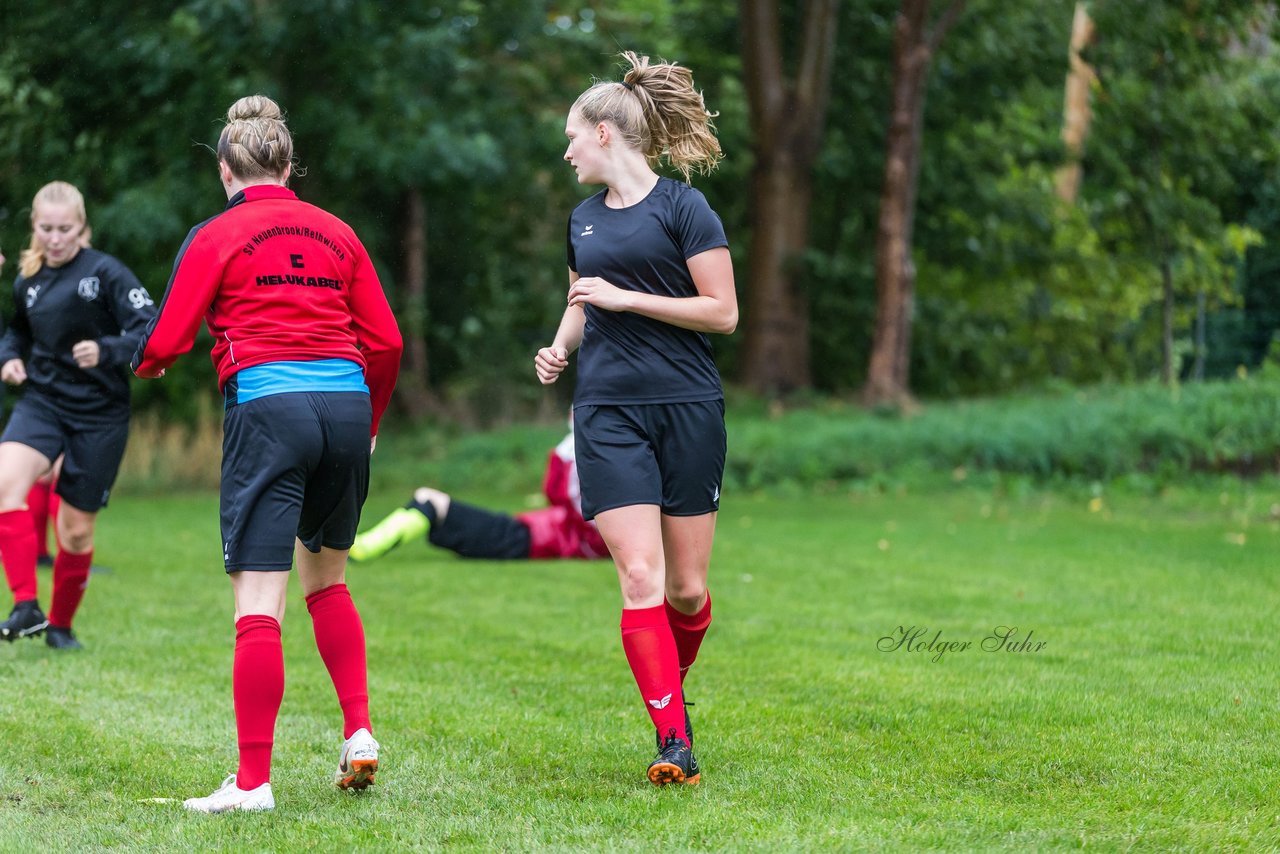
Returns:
(78,316)
(649,277)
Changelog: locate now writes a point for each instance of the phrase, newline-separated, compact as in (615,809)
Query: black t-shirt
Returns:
(624,357)
(93,297)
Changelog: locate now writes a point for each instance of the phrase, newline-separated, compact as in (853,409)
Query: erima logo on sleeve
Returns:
(587,231)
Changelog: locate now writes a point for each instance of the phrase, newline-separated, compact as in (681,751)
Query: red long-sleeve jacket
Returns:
(276,279)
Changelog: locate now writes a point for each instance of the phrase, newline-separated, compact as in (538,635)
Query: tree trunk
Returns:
(1076,114)
(1166,336)
(413,388)
(776,357)
(889,369)
(1202,349)
(786,119)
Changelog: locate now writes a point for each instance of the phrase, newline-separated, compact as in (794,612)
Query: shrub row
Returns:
(1094,434)
(1097,434)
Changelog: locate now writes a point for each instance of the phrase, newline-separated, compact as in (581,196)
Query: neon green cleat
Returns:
(401,526)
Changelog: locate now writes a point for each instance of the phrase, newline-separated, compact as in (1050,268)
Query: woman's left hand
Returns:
(86,354)
(593,290)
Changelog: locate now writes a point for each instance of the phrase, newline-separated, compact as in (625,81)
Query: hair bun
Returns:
(254,107)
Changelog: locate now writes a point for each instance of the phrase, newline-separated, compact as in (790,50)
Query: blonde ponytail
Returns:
(658,112)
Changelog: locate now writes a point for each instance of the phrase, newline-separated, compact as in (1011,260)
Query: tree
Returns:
(1164,120)
(787,117)
(916,41)
(1076,115)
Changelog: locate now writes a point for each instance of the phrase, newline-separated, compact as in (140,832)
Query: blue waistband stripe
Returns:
(283,377)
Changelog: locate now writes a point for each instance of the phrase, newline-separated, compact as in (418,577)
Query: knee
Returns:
(13,496)
(687,596)
(76,535)
(639,581)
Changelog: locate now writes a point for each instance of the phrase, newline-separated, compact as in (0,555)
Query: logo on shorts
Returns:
(661,704)
(715,498)
(89,288)
(32,292)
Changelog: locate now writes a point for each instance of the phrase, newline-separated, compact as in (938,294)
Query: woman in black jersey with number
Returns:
(78,316)
(649,277)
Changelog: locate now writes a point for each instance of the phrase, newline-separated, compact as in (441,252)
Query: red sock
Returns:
(257,686)
(340,640)
(38,504)
(18,552)
(70,578)
(688,631)
(55,502)
(651,652)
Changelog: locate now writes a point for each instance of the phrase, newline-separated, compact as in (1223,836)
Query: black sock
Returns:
(426,508)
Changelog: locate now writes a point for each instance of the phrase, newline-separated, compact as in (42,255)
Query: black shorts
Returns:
(94,448)
(668,454)
(294,464)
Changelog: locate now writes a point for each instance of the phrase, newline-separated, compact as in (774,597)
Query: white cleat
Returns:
(357,762)
(230,797)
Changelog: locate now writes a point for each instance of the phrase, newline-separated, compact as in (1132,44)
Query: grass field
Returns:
(1147,720)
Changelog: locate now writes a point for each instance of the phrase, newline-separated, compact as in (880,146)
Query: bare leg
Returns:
(21,466)
(75,529)
(687,541)
(321,569)
(635,538)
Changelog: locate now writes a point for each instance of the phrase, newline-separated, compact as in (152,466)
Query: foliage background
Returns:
(464,103)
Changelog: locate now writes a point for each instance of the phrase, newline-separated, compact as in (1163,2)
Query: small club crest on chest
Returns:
(89,288)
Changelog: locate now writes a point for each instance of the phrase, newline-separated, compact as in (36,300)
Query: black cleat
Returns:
(694,771)
(674,763)
(26,620)
(44,560)
(60,638)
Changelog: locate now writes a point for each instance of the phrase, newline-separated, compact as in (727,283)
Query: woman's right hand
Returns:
(550,363)
(14,372)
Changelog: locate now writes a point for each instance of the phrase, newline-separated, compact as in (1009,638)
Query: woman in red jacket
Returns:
(307,353)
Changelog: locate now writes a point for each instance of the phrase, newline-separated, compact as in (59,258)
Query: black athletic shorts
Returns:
(293,464)
(94,448)
(668,454)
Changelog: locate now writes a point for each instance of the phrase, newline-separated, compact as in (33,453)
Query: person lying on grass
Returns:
(556,531)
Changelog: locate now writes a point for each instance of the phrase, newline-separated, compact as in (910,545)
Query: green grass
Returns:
(509,720)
